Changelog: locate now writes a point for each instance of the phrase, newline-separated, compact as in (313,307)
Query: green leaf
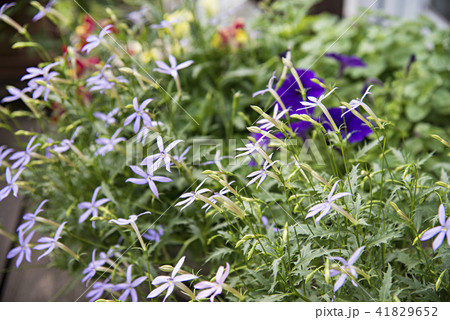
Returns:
(386,285)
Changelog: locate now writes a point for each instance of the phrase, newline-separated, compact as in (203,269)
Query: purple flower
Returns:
(315,101)
(140,113)
(142,135)
(6,6)
(98,288)
(10,184)
(30,218)
(212,289)
(182,156)
(94,41)
(43,13)
(147,177)
(347,269)
(129,286)
(349,125)
(4,153)
(260,174)
(16,94)
(22,250)
(66,143)
(222,192)
(173,69)
(49,243)
(44,75)
(108,119)
(104,80)
(168,283)
(108,144)
(441,231)
(92,268)
(131,220)
(252,147)
(289,91)
(92,207)
(325,207)
(154,234)
(265,124)
(345,62)
(191,196)
(163,154)
(23,157)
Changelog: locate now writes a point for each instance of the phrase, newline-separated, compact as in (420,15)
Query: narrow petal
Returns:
(160,279)
(205,293)
(340,195)
(340,282)
(442,214)
(156,292)
(438,241)
(332,190)
(430,233)
(169,291)
(204,285)
(178,266)
(184,277)
(355,255)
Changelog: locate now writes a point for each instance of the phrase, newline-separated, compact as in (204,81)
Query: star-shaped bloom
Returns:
(22,158)
(154,234)
(92,268)
(131,219)
(30,218)
(355,103)
(94,41)
(45,74)
(66,143)
(314,102)
(22,250)
(173,69)
(251,147)
(104,79)
(441,231)
(6,6)
(169,283)
(11,183)
(222,192)
(129,286)
(108,144)
(182,156)
(140,113)
(192,196)
(147,177)
(98,288)
(212,289)
(269,86)
(15,94)
(325,207)
(4,152)
(163,154)
(92,207)
(49,243)
(45,11)
(108,118)
(266,124)
(347,269)
(261,174)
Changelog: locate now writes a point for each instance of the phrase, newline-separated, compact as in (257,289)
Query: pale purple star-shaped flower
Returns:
(169,283)
(213,289)
(145,131)
(22,250)
(266,124)
(346,269)
(147,177)
(43,13)
(45,74)
(129,286)
(49,243)
(441,231)
(182,156)
(250,147)
(355,103)
(4,152)
(92,268)
(162,155)
(15,94)
(154,234)
(313,101)
(66,143)
(6,6)
(108,118)
(269,86)
(325,207)
(108,144)
(104,80)
(191,196)
(140,113)
(92,207)
(131,219)
(22,158)
(98,288)
(11,183)
(173,69)
(260,174)
(30,218)
(93,41)
(222,192)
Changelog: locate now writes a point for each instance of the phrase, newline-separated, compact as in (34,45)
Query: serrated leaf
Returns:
(386,285)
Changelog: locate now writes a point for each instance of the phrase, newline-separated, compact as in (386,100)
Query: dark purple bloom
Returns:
(291,96)
(346,61)
(349,124)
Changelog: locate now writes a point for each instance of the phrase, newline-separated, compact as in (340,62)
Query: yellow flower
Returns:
(181,18)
